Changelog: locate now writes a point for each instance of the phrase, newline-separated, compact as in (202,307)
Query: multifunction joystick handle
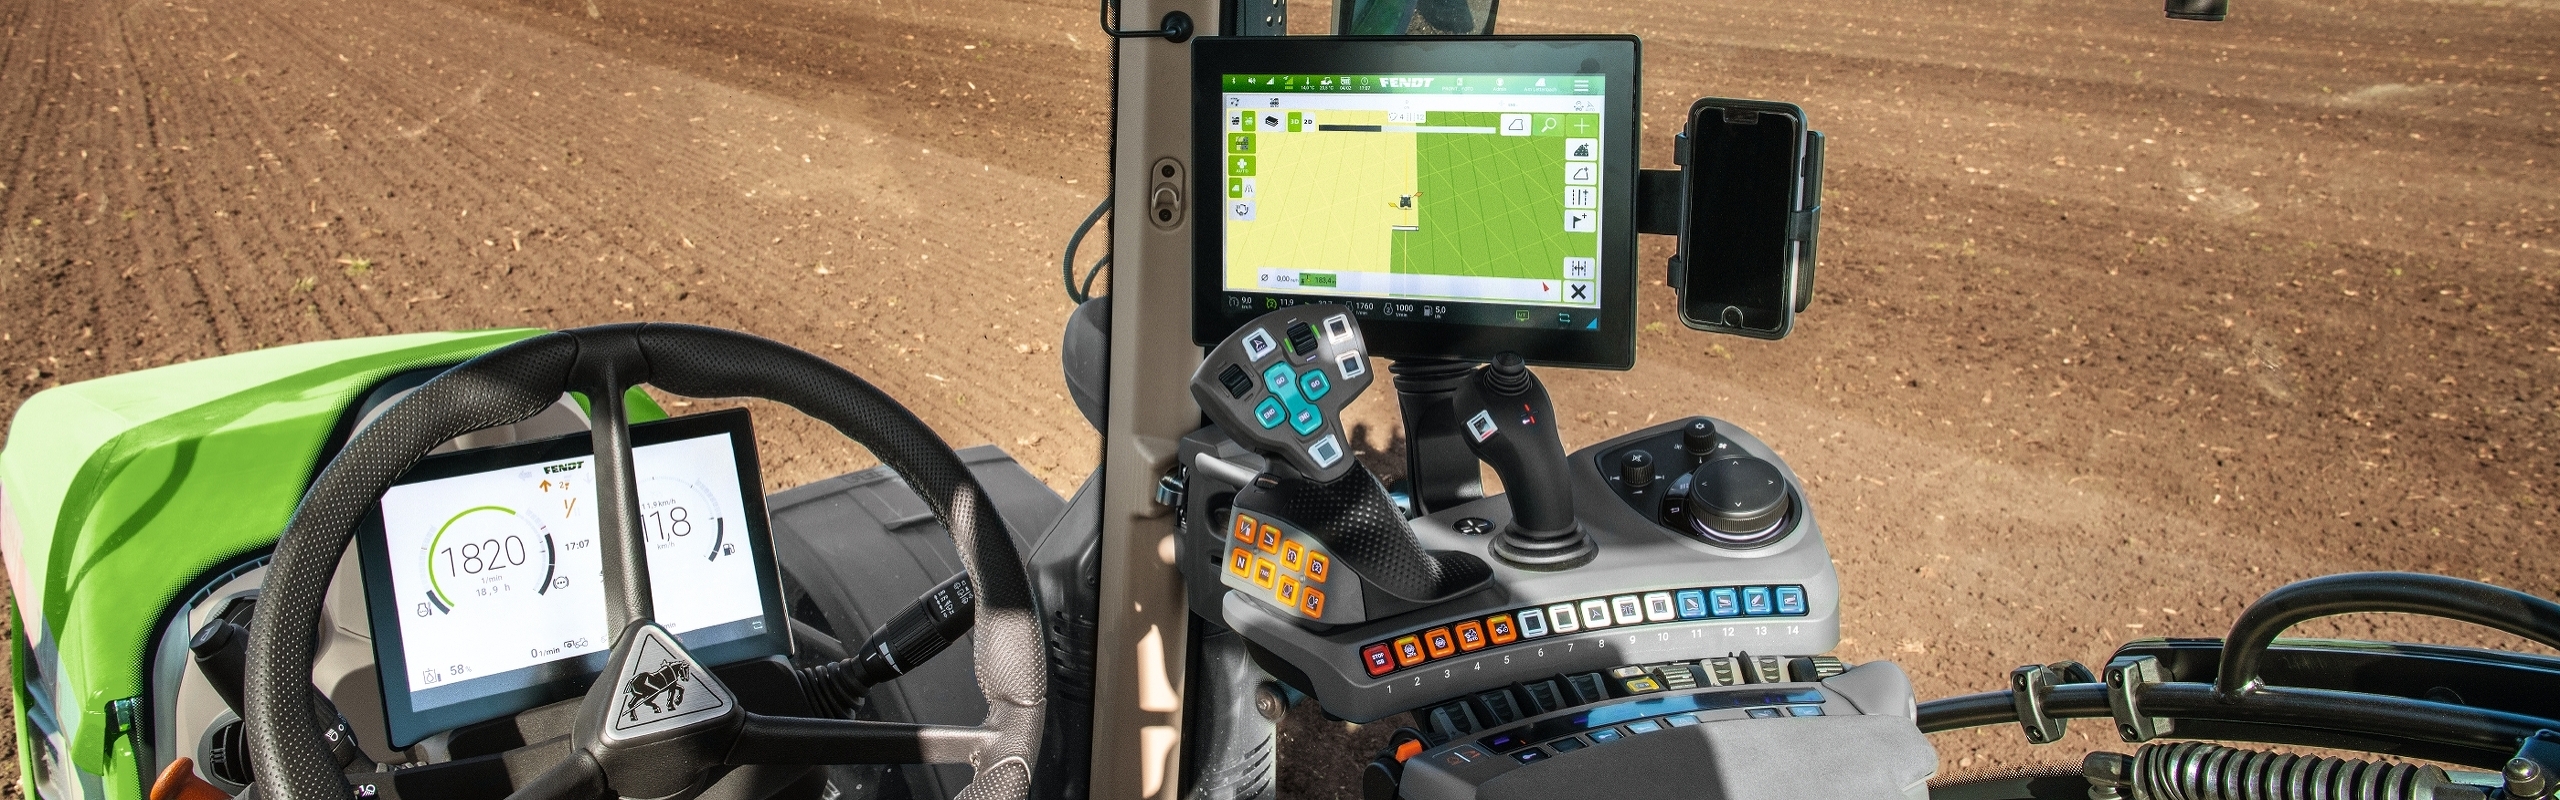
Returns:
(1511,425)
(1278,386)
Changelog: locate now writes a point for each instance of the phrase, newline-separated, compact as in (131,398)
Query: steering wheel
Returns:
(623,744)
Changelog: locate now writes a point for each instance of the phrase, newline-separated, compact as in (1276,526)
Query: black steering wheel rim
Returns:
(513,383)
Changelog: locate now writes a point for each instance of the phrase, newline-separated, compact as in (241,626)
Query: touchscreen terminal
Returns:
(1463,197)
(484,576)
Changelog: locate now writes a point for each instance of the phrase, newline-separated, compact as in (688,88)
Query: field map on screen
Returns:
(1455,187)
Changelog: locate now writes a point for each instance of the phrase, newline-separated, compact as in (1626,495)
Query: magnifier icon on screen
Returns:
(1548,126)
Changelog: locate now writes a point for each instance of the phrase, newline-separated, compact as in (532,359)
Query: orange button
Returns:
(1312,602)
(1470,635)
(1408,651)
(1240,563)
(1499,629)
(1407,749)
(1317,565)
(1243,529)
(1437,639)
(1293,556)
(1264,572)
(1287,593)
(1270,539)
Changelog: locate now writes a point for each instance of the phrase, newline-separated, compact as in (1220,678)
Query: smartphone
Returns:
(1745,226)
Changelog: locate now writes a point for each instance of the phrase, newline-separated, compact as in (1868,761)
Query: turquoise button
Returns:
(1268,413)
(1315,384)
(1304,417)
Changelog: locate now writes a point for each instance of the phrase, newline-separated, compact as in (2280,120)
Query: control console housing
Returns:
(1659,591)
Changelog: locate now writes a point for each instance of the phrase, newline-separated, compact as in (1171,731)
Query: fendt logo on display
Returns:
(1406,83)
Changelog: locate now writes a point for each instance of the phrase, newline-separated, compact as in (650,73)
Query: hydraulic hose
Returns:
(2200,771)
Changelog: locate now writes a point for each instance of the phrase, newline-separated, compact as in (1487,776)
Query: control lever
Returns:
(221,650)
(1278,385)
(919,632)
(1511,425)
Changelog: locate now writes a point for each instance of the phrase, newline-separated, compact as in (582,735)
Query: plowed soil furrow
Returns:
(2120,322)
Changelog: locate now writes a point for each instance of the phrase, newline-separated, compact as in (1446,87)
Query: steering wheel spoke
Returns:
(574,778)
(808,740)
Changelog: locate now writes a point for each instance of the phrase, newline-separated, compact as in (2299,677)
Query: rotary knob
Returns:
(1636,469)
(1699,439)
(1738,502)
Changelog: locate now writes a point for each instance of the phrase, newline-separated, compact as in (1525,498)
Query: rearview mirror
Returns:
(1751,187)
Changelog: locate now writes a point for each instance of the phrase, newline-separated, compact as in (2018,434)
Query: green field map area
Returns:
(1474,204)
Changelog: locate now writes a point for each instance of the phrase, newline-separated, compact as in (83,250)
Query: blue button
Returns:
(1604,734)
(1764,713)
(1648,726)
(1315,384)
(1304,417)
(1681,720)
(1791,600)
(1724,603)
(1755,601)
(1693,603)
(1530,755)
(1804,711)
(1269,413)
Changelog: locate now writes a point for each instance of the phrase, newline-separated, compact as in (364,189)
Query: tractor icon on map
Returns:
(1405,202)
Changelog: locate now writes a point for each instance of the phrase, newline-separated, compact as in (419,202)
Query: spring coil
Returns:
(2200,771)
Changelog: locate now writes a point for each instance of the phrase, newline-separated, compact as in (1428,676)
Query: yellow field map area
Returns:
(1326,201)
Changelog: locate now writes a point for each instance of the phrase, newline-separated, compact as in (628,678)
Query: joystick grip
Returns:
(1510,423)
(1357,522)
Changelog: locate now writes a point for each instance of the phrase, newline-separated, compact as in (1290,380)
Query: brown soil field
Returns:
(2121,322)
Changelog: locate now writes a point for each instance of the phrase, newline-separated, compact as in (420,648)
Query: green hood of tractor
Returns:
(127,489)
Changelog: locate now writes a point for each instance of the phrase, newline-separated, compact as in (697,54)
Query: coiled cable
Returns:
(2201,771)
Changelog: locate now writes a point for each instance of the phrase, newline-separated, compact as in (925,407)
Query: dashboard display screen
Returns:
(1463,191)
(484,572)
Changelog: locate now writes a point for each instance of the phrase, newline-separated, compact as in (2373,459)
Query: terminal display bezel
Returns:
(407,724)
(1610,346)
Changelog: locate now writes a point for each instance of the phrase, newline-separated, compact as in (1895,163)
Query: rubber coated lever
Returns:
(914,636)
(1511,425)
(221,651)
(2362,592)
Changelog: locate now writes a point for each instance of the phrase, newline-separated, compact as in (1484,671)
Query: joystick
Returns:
(1511,425)
(1278,386)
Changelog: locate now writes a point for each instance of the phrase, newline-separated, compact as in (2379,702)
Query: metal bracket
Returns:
(2127,676)
(2028,686)
(1176,27)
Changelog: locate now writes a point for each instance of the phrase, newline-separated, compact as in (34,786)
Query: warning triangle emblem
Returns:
(661,687)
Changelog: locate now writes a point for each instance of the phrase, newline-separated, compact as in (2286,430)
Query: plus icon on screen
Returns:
(1582,125)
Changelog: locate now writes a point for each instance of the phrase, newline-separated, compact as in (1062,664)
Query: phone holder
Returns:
(1662,202)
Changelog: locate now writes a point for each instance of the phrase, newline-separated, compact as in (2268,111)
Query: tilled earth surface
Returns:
(2121,322)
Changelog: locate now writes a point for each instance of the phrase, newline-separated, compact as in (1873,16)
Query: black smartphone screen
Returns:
(1743,172)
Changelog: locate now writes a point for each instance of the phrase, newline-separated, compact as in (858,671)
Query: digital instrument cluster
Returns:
(484,572)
